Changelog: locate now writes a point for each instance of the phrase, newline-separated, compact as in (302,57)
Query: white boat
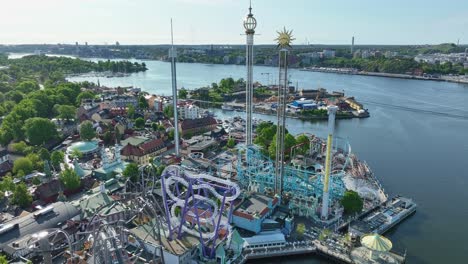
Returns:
(227,107)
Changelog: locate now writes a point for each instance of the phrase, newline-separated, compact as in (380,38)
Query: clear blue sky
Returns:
(220,21)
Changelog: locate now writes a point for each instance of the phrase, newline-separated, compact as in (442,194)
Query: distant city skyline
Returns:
(220,21)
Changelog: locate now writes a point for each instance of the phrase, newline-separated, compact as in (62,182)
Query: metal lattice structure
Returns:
(303,185)
(107,242)
(49,242)
(281,117)
(249,24)
(255,172)
(197,204)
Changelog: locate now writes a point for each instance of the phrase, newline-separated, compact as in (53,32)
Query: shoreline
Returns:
(443,78)
(453,79)
(302,118)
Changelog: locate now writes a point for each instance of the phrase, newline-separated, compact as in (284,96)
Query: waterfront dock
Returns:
(331,251)
(383,217)
(288,250)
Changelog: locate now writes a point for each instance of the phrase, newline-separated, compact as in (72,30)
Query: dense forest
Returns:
(47,64)
(392,65)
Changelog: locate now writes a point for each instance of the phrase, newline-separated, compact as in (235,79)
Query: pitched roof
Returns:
(49,189)
(150,145)
(143,148)
(196,123)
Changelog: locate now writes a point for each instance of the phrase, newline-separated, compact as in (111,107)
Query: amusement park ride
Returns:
(202,205)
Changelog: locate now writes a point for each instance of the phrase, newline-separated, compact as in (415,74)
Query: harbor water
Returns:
(415,141)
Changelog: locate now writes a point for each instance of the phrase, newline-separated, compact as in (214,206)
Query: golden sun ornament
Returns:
(284,38)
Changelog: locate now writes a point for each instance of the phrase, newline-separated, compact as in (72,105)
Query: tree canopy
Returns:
(300,230)
(66,111)
(39,130)
(183,93)
(231,143)
(23,164)
(21,195)
(56,158)
(140,122)
(169,111)
(44,154)
(87,131)
(142,103)
(352,202)
(304,142)
(7,184)
(289,142)
(70,179)
(130,110)
(131,172)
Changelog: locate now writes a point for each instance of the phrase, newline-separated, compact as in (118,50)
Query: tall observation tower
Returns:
(173,56)
(249,24)
(328,160)
(284,40)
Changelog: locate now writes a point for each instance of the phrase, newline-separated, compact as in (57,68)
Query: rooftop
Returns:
(28,224)
(135,141)
(255,205)
(84,146)
(175,246)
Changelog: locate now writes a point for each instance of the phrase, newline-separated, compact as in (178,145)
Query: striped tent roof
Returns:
(376,242)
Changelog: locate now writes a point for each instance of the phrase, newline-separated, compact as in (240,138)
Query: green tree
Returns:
(70,179)
(231,143)
(21,195)
(44,154)
(84,95)
(107,138)
(36,161)
(56,158)
(66,112)
(7,184)
(87,131)
(170,135)
(352,202)
(76,154)
(168,111)
(27,86)
(140,122)
(47,171)
(142,103)
(183,93)
(23,164)
(131,111)
(21,147)
(289,142)
(304,143)
(36,181)
(160,170)
(3,259)
(15,96)
(40,130)
(300,230)
(131,172)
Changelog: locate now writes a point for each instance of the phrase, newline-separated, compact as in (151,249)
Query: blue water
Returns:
(416,142)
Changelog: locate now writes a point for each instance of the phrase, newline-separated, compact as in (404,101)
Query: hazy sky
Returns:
(220,21)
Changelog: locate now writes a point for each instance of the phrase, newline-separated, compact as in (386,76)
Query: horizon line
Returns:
(229,44)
